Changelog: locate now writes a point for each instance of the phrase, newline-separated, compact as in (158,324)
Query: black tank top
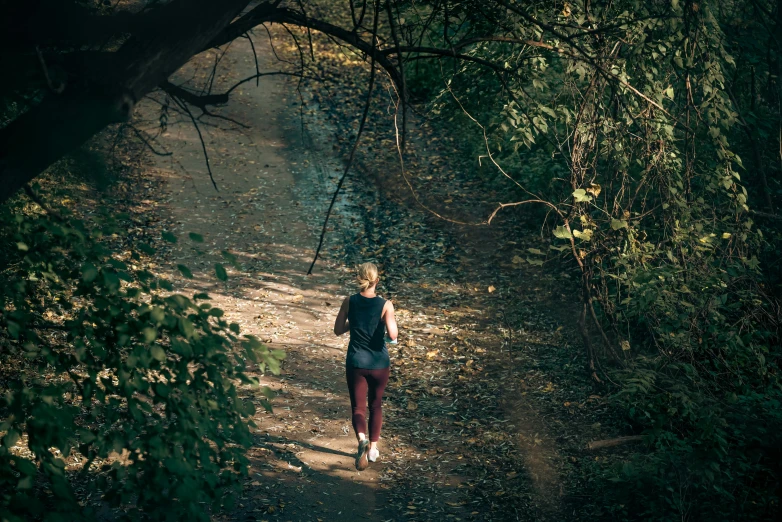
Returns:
(367,348)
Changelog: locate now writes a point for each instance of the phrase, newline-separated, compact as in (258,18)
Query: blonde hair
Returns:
(366,275)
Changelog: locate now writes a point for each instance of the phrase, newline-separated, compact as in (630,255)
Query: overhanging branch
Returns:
(60,123)
(266,13)
(196,100)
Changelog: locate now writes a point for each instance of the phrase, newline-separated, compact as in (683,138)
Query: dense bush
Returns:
(107,372)
(646,128)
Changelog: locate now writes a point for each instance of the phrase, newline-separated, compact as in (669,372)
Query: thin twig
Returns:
(402,169)
(403,87)
(535,197)
(273,73)
(355,144)
(140,136)
(221,117)
(185,108)
(255,56)
(515,204)
(271,45)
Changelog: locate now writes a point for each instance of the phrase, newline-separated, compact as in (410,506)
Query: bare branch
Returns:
(192,98)
(607,443)
(367,104)
(60,123)
(185,108)
(140,136)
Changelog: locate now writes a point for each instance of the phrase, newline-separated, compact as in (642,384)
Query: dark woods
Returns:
(645,135)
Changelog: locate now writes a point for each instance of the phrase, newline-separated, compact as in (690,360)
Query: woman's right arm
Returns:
(390,320)
(341,325)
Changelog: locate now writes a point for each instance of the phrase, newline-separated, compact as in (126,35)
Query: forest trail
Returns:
(457,445)
(264,216)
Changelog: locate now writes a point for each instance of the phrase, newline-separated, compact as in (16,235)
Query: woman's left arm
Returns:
(341,325)
(390,320)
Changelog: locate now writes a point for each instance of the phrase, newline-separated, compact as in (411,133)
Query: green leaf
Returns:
(266,406)
(222,275)
(584,235)
(168,236)
(562,233)
(198,238)
(111,280)
(22,246)
(14,329)
(268,392)
(11,438)
(25,467)
(119,265)
(146,249)
(616,224)
(86,436)
(185,271)
(186,327)
(232,259)
(150,334)
(25,482)
(162,390)
(580,196)
(535,251)
(158,353)
(88,272)
(157,314)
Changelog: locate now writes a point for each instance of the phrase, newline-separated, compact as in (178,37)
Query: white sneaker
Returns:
(373,454)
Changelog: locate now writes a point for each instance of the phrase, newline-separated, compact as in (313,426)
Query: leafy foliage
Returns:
(631,122)
(648,133)
(105,365)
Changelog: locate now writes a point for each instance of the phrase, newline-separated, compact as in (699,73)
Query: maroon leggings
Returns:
(363,384)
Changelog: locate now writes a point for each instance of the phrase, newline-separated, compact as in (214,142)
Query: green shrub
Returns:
(104,366)
(643,132)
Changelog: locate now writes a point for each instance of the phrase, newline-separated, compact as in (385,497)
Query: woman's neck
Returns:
(369,292)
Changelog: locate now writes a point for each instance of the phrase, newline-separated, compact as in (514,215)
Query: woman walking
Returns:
(367,316)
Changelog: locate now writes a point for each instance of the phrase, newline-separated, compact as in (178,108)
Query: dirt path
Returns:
(273,182)
(473,408)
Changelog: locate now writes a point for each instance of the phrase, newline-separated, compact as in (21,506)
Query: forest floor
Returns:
(489,407)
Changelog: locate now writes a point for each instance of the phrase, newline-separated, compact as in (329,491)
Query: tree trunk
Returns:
(60,123)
